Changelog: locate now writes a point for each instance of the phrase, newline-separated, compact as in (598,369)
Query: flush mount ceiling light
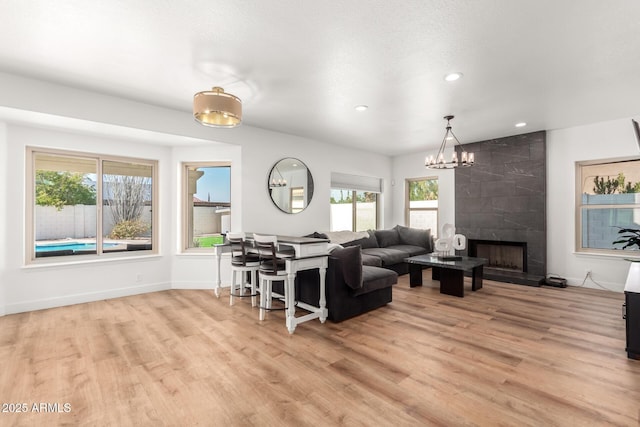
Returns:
(217,108)
(361,107)
(439,162)
(452,77)
(521,125)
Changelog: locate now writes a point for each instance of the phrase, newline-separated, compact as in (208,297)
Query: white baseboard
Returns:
(44,303)
(597,284)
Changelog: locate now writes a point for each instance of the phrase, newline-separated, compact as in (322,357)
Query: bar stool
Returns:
(242,261)
(272,269)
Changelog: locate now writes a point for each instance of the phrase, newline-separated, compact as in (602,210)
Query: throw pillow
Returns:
(415,236)
(387,238)
(351,265)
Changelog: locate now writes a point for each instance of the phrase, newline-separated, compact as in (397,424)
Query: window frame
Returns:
(184,196)
(98,158)
(579,186)
(296,195)
(407,202)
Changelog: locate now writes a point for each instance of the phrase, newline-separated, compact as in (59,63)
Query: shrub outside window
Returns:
(608,202)
(67,220)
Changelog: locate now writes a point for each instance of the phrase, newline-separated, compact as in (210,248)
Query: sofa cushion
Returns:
(415,236)
(371,260)
(350,262)
(375,278)
(409,249)
(388,256)
(366,242)
(387,237)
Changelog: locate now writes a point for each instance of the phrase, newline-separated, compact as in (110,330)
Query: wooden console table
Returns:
(450,273)
(309,253)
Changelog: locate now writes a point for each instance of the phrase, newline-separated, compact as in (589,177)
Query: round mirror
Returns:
(290,185)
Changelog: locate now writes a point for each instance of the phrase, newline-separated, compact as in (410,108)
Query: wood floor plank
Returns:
(504,355)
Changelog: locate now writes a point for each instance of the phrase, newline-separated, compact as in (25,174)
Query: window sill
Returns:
(49,263)
(621,257)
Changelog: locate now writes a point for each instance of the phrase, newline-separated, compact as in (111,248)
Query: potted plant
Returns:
(630,237)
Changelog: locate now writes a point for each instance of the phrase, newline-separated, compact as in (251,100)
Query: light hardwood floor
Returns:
(505,355)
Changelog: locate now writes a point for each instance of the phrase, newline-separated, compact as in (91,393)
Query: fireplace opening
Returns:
(505,256)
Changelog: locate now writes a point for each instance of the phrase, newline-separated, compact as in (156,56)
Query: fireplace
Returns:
(502,199)
(502,256)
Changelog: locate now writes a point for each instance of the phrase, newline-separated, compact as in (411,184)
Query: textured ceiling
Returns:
(301,66)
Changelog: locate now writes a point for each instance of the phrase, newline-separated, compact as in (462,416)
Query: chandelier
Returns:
(439,161)
(275,183)
(217,108)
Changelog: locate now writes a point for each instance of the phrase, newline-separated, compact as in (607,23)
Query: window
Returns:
(608,199)
(297,199)
(354,202)
(207,204)
(353,210)
(422,203)
(64,190)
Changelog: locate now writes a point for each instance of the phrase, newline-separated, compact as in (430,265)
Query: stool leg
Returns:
(285,285)
(291,307)
(253,288)
(269,291)
(232,287)
(243,280)
(263,298)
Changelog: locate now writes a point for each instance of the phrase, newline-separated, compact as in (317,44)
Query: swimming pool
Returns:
(72,246)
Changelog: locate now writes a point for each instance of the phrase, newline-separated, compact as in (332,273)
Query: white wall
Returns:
(29,287)
(4,224)
(565,147)
(43,114)
(49,115)
(258,157)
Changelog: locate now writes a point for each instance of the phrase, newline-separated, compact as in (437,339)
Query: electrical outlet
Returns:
(139,278)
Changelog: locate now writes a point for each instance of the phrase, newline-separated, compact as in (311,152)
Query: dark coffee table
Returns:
(450,273)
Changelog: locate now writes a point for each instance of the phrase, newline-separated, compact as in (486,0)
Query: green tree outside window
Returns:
(62,188)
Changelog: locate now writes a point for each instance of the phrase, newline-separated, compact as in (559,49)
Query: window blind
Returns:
(356,182)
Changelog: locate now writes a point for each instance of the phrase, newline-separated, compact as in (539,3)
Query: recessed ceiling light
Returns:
(452,77)
(361,107)
(521,125)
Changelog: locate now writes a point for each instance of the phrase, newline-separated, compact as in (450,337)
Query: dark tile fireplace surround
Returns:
(501,207)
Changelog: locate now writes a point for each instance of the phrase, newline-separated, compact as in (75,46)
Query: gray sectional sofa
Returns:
(389,248)
(362,271)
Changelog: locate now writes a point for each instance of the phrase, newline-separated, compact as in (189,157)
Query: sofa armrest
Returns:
(349,265)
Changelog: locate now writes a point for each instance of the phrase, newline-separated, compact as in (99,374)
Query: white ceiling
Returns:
(301,66)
